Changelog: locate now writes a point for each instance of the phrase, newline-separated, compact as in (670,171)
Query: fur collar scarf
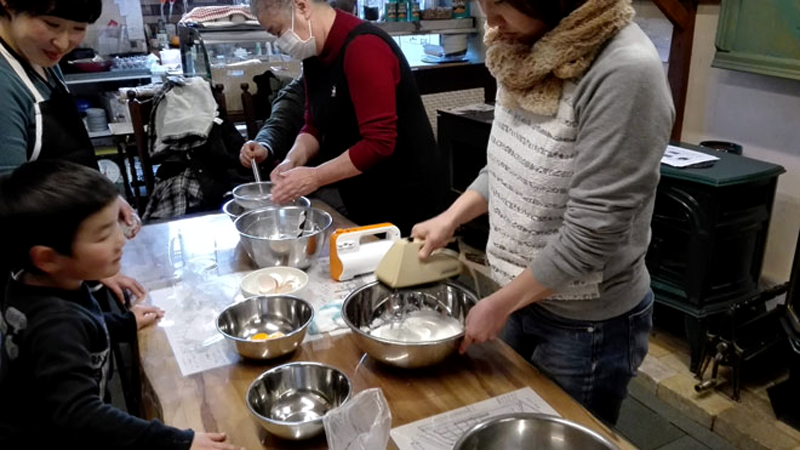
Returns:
(532,76)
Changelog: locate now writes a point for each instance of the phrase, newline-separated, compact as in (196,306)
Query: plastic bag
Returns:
(362,423)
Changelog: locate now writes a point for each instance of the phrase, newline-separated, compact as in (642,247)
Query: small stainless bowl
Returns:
(376,302)
(284,236)
(234,210)
(290,400)
(266,314)
(522,431)
(253,195)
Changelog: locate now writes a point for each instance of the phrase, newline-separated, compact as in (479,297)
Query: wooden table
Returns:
(214,400)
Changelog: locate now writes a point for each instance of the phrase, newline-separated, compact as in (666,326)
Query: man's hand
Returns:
(252,150)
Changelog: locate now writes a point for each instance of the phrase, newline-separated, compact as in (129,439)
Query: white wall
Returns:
(110,12)
(762,114)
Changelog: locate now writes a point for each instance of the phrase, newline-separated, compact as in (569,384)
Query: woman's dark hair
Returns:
(44,203)
(87,11)
(549,11)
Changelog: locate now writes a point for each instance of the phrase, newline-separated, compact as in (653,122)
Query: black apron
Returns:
(60,132)
(409,186)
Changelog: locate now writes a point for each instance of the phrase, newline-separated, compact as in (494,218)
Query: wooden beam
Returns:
(680,59)
(676,12)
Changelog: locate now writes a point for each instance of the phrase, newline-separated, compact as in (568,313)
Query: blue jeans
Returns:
(591,361)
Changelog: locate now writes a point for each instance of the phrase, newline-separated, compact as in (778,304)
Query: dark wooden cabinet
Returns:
(463,136)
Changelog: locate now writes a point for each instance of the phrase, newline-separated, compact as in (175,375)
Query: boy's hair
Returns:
(44,203)
(87,11)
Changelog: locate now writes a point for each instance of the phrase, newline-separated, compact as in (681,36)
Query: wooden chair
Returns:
(140,110)
(249,109)
(257,106)
(254,116)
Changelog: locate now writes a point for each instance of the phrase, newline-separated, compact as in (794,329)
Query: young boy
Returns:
(59,224)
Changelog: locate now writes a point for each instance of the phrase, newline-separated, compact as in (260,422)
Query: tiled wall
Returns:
(452,99)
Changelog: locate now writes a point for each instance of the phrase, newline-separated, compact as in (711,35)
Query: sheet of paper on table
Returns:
(192,307)
(323,290)
(440,432)
(682,157)
(191,310)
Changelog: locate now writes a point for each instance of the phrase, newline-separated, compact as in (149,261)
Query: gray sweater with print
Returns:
(625,115)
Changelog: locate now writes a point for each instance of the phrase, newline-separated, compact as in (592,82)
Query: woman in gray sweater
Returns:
(582,119)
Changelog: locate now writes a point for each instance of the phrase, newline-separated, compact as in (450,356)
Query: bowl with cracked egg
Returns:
(266,326)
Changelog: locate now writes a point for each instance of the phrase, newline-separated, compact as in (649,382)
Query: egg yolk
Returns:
(265,336)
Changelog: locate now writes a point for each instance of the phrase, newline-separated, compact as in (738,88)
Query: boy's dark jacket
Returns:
(56,355)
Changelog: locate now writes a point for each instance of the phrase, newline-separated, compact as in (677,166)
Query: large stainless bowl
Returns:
(234,210)
(266,314)
(290,400)
(522,431)
(376,303)
(284,236)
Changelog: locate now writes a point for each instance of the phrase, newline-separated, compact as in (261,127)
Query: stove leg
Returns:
(736,373)
(696,330)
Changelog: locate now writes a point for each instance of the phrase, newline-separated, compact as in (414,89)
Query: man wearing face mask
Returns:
(366,131)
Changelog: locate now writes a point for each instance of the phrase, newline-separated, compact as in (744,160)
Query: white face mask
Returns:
(291,44)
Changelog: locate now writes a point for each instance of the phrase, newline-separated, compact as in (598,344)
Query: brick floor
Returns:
(747,424)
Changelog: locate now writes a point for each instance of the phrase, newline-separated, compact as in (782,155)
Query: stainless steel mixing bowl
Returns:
(284,236)
(234,210)
(523,431)
(253,195)
(266,314)
(377,303)
(290,400)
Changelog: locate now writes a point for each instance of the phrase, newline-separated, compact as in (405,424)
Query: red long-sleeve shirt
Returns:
(373,72)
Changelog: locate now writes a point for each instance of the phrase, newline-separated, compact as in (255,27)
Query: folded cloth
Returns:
(205,14)
(327,319)
(185,114)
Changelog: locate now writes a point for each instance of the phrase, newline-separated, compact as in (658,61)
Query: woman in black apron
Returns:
(34,36)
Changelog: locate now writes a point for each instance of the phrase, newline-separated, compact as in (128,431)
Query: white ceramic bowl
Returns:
(253,282)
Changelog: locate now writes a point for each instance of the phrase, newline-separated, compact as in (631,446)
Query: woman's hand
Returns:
(488,317)
(285,166)
(436,232)
(119,282)
(287,186)
(127,215)
(252,150)
(484,322)
(146,315)
(210,441)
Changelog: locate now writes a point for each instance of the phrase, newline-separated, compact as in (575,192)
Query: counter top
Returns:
(214,400)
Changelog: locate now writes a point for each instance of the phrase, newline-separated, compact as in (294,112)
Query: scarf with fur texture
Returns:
(532,76)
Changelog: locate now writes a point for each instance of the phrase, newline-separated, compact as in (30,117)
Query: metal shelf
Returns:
(446,26)
(104,77)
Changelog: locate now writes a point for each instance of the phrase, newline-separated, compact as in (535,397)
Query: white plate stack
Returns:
(96,120)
